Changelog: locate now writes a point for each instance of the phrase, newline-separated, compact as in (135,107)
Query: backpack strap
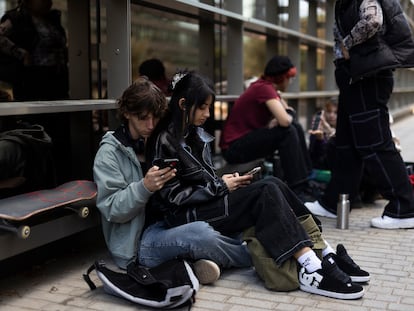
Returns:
(86,277)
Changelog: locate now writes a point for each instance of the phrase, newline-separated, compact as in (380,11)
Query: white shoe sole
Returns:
(386,222)
(344,296)
(360,279)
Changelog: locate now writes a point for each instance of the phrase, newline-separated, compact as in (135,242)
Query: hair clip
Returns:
(177,78)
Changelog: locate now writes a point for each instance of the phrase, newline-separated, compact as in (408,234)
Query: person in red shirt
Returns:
(261,122)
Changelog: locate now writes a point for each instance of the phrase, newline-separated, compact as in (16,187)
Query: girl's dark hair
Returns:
(142,96)
(195,90)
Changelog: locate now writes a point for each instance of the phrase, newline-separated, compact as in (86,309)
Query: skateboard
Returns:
(18,212)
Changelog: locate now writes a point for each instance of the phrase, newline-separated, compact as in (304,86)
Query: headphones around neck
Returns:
(137,144)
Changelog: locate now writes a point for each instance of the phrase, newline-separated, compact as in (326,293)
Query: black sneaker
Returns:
(347,265)
(329,281)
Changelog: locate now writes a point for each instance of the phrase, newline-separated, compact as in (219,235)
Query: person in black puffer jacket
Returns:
(372,37)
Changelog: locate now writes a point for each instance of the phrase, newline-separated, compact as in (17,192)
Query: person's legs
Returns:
(256,144)
(263,142)
(347,167)
(346,162)
(364,140)
(196,240)
(262,204)
(292,199)
(372,139)
(303,145)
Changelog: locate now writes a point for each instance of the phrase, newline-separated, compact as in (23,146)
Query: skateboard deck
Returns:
(70,195)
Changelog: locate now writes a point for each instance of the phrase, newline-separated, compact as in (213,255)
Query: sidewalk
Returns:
(57,284)
(388,255)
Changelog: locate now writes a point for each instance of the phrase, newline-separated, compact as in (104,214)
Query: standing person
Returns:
(125,185)
(32,35)
(368,46)
(33,43)
(261,122)
(231,203)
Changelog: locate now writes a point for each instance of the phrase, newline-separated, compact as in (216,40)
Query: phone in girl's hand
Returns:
(254,171)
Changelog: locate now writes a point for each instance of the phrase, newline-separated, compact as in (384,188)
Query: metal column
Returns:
(234,49)
(118,47)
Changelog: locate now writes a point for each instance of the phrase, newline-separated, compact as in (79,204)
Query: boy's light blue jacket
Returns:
(121,198)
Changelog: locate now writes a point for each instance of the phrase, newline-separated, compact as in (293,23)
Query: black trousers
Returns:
(289,141)
(363,138)
(268,205)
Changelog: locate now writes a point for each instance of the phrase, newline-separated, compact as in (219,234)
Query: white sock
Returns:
(327,250)
(310,261)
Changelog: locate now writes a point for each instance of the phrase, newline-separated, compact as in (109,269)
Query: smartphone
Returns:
(162,163)
(316,121)
(254,171)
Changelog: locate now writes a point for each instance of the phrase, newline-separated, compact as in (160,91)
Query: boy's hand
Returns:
(156,178)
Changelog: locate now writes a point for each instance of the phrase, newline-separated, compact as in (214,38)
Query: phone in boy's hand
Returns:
(254,171)
(162,163)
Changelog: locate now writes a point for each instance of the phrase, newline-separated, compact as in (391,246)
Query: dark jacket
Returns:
(24,33)
(27,152)
(196,183)
(388,49)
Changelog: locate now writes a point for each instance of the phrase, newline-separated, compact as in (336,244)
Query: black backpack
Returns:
(168,285)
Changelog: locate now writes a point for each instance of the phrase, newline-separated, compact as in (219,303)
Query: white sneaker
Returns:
(317,209)
(206,271)
(386,222)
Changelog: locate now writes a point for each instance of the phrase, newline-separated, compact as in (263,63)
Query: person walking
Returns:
(371,39)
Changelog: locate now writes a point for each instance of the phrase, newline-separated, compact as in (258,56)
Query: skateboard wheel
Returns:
(84,212)
(23,232)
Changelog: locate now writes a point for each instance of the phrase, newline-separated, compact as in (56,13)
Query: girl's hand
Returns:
(235,181)
(156,178)
(273,123)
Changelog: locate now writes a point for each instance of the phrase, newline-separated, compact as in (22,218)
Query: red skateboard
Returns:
(17,212)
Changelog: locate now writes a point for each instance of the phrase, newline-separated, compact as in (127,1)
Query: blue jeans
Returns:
(196,240)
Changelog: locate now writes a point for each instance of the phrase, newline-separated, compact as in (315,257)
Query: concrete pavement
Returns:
(57,284)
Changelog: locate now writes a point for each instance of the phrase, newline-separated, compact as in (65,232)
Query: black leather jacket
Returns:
(196,183)
(393,47)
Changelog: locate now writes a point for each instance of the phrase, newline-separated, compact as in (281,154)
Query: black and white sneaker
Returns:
(347,265)
(329,281)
